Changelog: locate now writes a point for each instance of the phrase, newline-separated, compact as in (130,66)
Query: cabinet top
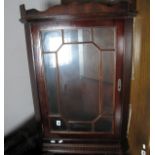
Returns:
(122,9)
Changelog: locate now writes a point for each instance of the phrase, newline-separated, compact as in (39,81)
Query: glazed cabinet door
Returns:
(79,69)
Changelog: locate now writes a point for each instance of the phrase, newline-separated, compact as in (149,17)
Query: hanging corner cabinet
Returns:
(80,67)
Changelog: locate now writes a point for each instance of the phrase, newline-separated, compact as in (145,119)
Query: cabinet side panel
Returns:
(32,72)
(126,75)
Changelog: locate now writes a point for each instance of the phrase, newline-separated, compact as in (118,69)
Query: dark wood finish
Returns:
(130,3)
(84,148)
(32,70)
(98,138)
(99,1)
(127,75)
(79,11)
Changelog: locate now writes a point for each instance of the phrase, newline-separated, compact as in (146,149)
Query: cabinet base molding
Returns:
(107,149)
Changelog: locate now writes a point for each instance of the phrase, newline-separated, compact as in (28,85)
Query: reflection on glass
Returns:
(90,62)
(108,81)
(65,55)
(104,124)
(77,35)
(80,126)
(79,85)
(72,75)
(50,75)
(51,40)
(104,37)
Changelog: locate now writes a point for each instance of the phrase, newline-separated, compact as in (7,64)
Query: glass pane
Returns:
(79,84)
(50,74)
(51,40)
(104,124)
(80,126)
(77,35)
(104,37)
(108,81)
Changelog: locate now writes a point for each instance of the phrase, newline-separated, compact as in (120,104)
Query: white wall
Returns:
(18,106)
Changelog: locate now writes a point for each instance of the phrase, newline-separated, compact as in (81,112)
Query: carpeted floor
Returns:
(26,140)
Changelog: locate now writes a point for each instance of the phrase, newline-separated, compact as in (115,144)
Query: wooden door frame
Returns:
(35,29)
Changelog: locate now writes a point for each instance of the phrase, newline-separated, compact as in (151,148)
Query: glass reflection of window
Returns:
(81,63)
(65,55)
(77,35)
(52,62)
(53,43)
(51,40)
(81,60)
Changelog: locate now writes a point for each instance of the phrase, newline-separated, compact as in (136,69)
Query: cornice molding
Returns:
(74,10)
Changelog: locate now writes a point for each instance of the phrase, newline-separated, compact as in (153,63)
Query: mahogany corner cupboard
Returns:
(80,64)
